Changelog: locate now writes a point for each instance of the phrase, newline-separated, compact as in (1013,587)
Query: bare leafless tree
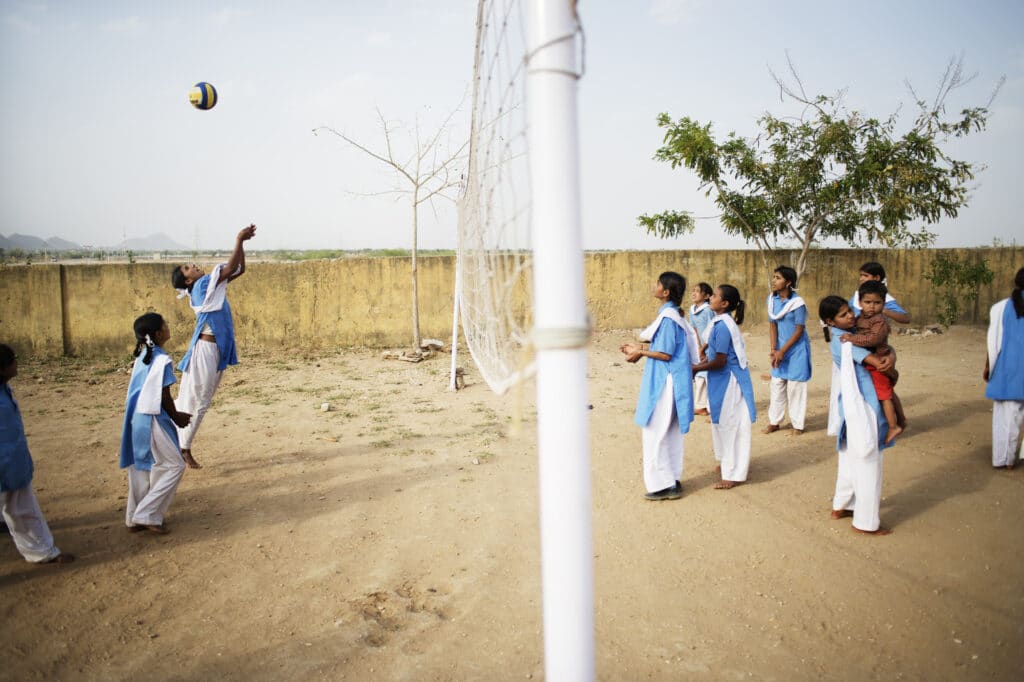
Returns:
(424,175)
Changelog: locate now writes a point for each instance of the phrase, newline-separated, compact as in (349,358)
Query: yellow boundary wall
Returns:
(87,310)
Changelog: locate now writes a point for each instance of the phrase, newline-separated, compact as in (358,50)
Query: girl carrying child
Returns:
(664,408)
(790,353)
(730,391)
(149,441)
(1004,373)
(700,320)
(860,426)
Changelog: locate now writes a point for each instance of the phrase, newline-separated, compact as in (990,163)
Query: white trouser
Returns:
(1007,420)
(150,492)
(663,443)
(859,487)
(25,520)
(198,384)
(786,392)
(731,435)
(700,393)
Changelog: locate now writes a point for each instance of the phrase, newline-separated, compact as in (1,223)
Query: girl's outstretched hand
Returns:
(247,233)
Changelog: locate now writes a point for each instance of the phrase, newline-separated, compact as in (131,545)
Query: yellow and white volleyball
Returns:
(202,96)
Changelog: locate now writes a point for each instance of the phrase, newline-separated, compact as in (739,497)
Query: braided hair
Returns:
(146,327)
(731,295)
(828,308)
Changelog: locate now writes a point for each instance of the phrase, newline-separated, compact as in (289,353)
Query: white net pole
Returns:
(560,336)
(453,384)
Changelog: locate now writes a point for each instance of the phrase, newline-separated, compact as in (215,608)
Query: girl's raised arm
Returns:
(236,264)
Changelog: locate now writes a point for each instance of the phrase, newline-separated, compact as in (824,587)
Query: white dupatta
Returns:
(215,295)
(791,304)
(738,345)
(861,420)
(151,396)
(692,344)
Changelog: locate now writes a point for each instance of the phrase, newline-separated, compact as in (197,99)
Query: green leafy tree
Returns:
(829,173)
(955,281)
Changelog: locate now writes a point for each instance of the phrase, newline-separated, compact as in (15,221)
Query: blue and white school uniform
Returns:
(664,408)
(203,365)
(20,508)
(700,320)
(860,428)
(730,399)
(789,379)
(149,443)
(1006,382)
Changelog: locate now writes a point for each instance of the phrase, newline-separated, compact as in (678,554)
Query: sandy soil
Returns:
(395,537)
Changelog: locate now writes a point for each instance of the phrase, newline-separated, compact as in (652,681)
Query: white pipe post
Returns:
(560,336)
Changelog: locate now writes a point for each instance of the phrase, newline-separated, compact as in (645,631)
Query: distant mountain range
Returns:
(154,242)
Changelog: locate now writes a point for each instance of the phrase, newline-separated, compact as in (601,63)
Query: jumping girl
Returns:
(700,320)
(730,391)
(892,309)
(860,426)
(1004,372)
(790,353)
(664,409)
(212,347)
(18,502)
(149,442)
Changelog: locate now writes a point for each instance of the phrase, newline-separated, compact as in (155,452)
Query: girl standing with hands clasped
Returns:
(790,353)
(730,391)
(1004,372)
(700,320)
(664,409)
(860,427)
(149,441)
(212,347)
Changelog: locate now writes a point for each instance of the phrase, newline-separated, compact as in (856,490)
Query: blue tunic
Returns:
(1006,378)
(796,366)
(15,461)
(720,343)
(670,340)
(220,322)
(137,430)
(701,320)
(864,383)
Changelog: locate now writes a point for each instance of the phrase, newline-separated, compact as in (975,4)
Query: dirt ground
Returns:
(395,537)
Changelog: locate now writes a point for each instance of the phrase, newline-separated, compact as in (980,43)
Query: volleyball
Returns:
(202,96)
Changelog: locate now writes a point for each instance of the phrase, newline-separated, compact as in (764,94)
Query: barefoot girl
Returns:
(730,391)
(212,347)
(700,320)
(1004,372)
(149,441)
(860,426)
(21,510)
(664,409)
(790,353)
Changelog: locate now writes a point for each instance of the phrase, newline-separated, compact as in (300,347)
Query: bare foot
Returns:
(190,462)
(701,410)
(841,513)
(726,485)
(134,529)
(893,432)
(878,531)
(797,432)
(159,530)
(771,428)
(62,558)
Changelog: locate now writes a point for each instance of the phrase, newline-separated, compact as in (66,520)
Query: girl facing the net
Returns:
(149,440)
(1004,374)
(212,347)
(730,391)
(664,408)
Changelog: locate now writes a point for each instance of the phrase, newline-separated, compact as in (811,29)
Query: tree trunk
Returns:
(416,341)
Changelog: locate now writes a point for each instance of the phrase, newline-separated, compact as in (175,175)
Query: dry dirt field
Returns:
(395,537)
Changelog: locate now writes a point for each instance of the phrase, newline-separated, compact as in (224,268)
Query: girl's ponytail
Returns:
(1017,297)
(740,308)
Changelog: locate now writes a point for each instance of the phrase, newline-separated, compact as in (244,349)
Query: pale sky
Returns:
(98,140)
